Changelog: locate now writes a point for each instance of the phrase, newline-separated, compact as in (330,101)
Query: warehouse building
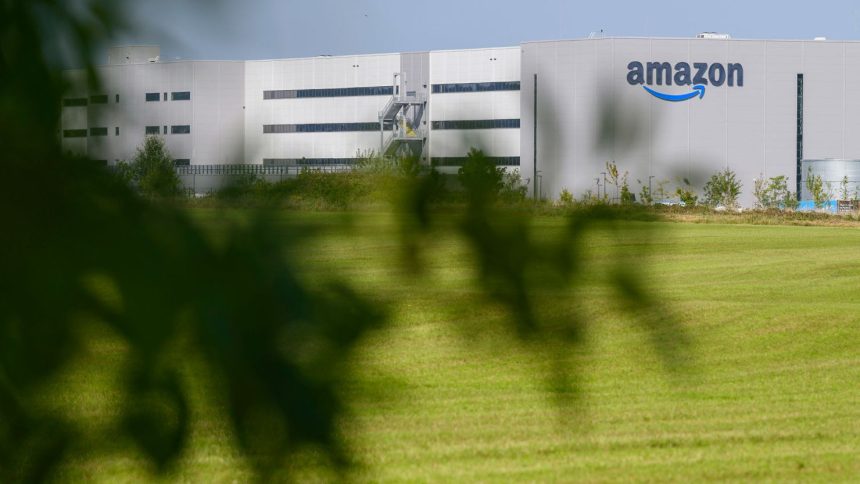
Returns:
(314,112)
(666,111)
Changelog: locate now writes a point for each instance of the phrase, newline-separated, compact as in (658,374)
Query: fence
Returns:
(203,179)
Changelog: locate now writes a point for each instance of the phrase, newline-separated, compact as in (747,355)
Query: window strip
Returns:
(336,92)
(74,133)
(461,160)
(478,124)
(75,102)
(323,127)
(476,87)
(309,161)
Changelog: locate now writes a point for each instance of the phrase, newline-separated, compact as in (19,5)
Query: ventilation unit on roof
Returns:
(714,35)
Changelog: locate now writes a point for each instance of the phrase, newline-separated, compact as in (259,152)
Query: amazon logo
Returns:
(698,76)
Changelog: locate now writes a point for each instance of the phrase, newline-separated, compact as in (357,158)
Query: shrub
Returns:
(773,193)
(513,189)
(687,197)
(685,194)
(480,177)
(723,189)
(151,171)
(565,198)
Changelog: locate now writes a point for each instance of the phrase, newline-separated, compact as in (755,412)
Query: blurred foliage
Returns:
(151,170)
(371,182)
(238,305)
(274,345)
(529,275)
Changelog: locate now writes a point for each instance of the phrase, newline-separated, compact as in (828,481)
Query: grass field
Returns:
(771,392)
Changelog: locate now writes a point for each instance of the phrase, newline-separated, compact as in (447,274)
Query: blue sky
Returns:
(259,29)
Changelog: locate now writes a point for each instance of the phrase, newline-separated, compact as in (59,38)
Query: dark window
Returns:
(460,161)
(181,129)
(476,87)
(153,96)
(116,131)
(180,96)
(74,102)
(182,162)
(478,124)
(98,131)
(323,127)
(117,98)
(165,130)
(165,96)
(74,133)
(99,99)
(153,130)
(336,92)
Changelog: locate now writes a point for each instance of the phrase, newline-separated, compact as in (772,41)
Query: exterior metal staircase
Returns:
(404,112)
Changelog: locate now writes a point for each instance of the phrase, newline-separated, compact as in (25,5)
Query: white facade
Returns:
(755,129)
(299,112)
(308,74)
(116,114)
(478,66)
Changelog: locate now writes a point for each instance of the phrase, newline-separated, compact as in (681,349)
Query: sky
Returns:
(267,29)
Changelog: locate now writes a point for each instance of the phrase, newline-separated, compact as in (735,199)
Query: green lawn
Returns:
(772,390)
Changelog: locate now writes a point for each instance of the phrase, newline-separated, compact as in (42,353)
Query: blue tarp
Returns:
(809,205)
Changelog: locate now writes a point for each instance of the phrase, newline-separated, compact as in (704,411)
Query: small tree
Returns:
(843,189)
(821,192)
(723,189)
(760,192)
(627,197)
(151,170)
(612,173)
(645,195)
